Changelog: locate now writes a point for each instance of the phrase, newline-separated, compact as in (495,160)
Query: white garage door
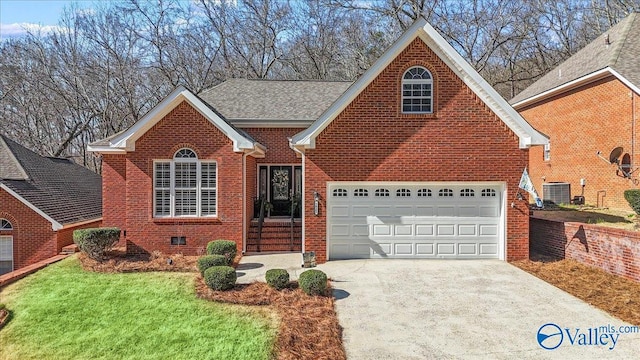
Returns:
(414,220)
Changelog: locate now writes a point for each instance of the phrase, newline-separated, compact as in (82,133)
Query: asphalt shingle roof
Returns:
(622,53)
(273,99)
(63,190)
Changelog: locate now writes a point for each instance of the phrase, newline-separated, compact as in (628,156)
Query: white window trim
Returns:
(10,239)
(172,188)
(546,152)
(416,81)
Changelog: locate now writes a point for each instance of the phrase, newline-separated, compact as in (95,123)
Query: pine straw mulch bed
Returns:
(117,261)
(616,295)
(309,327)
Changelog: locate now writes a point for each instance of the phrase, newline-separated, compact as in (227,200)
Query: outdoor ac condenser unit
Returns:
(556,192)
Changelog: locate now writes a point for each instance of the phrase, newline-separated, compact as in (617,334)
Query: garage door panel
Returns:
(446,248)
(403,249)
(381,230)
(426,230)
(468,249)
(467,211)
(467,230)
(489,211)
(421,210)
(403,230)
(488,249)
(413,220)
(445,229)
(340,211)
(340,230)
(361,210)
(446,211)
(425,249)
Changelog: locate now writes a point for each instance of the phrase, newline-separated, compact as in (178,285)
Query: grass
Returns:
(63,312)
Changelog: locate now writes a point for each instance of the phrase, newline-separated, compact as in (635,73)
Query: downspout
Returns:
(633,130)
(244,198)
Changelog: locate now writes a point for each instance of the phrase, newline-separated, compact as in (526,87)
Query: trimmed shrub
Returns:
(313,282)
(2,306)
(277,278)
(96,241)
(220,277)
(223,247)
(633,198)
(207,261)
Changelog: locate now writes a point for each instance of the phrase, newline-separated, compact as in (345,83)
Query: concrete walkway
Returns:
(253,267)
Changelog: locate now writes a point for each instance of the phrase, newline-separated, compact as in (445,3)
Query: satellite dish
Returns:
(615,155)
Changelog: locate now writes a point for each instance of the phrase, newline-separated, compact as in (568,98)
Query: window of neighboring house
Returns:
(6,252)
(546,154)
(184,186)
(5,225)
(417,91)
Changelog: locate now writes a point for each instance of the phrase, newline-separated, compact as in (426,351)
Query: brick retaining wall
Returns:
(616,251)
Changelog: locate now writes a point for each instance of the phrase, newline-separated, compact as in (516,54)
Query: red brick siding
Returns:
(114,189)
(277,143)
(371,140)
(33,238)
(616,251)
(182,127)
(595,117)
(64,237)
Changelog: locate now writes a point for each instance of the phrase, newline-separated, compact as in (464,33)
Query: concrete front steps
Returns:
(276,236)
(69,249)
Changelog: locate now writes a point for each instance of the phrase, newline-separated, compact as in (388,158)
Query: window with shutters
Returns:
(184,186)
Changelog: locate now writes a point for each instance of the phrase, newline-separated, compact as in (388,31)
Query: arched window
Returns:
(184,186)
(5,225)
(417,91)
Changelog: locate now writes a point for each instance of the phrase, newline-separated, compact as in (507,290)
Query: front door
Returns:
(281,180)
(280,185)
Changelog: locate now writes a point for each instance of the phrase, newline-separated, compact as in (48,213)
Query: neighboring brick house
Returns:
(42,200)
(418,158)
(589,104)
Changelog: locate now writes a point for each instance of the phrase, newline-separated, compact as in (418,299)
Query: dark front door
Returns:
(281,181)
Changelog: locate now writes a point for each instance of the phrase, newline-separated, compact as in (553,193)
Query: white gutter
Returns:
(55,226)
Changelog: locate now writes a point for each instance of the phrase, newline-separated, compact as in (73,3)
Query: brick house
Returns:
(419,157)
(586,105)
(42,200)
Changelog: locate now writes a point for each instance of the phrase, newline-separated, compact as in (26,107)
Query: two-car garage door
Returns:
(415,220)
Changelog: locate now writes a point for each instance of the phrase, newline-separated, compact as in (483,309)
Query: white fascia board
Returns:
(84,222)
(528,136)
(105,149)
(126,140)
(55,226)
(586,79)
(307,137)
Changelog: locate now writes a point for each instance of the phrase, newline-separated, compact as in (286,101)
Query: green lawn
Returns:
(63,312)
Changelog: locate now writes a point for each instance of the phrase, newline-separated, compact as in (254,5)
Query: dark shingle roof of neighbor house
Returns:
(621,53)
(239,99)
(65,191)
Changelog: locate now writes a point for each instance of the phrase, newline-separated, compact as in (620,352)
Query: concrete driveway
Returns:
(426,309)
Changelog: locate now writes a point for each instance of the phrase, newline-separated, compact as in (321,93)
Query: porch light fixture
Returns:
(316,203)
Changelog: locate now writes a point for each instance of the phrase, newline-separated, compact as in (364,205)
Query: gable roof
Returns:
(58,189)
(273,102)
(125,140)
(615,52)
(527,135)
